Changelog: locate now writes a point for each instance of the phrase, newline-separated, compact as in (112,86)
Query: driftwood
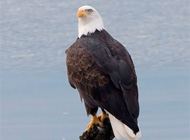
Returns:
(99,133)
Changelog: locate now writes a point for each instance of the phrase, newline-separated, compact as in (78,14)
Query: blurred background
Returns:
(36,101)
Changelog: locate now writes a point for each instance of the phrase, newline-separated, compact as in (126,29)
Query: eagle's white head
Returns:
(89,20)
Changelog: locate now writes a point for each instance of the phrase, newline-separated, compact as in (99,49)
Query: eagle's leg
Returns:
(103,116)
(94,121)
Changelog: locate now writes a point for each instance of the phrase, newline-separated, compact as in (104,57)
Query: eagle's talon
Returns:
(103,116)
(94,121)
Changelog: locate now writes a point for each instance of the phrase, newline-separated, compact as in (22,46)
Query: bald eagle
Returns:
(102,71)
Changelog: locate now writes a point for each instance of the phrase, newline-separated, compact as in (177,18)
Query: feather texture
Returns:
(103,72)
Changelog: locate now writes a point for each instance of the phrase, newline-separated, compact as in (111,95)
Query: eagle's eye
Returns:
(89,10)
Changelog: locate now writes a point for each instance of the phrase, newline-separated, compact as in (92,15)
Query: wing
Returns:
(112,59)
(128,79)
(83,73)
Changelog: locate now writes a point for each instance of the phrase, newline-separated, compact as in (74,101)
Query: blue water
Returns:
(36,101)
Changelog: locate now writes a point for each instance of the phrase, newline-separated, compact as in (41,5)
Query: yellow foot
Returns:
(103,116)
(94,120)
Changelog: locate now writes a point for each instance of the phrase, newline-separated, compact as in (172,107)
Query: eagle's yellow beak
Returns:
(81,13)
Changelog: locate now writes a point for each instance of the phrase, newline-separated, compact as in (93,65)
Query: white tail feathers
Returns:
(121,130)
